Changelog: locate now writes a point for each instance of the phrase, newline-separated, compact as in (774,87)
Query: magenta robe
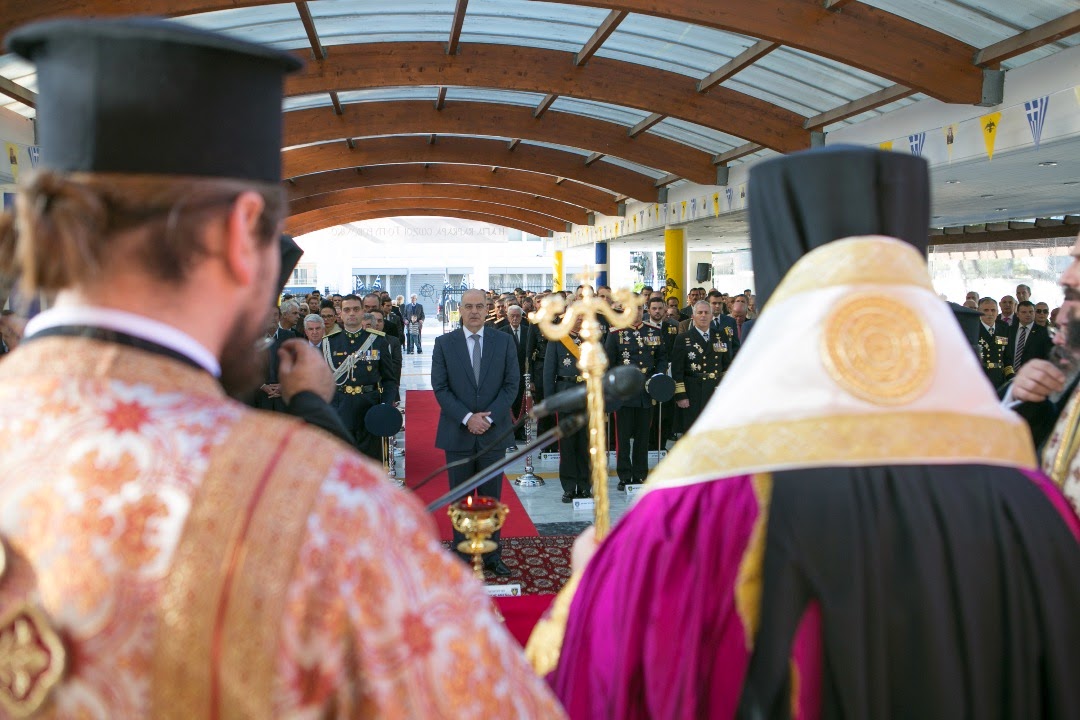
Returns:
(654,628)
(654,631)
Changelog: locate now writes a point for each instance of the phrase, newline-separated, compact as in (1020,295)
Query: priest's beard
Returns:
(243,368)
(1067,356)
(245,357)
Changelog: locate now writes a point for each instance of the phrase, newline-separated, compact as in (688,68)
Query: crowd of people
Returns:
(693,343)
(1023,330)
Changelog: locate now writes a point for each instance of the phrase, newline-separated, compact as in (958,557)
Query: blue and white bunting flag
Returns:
(917,142)
(377,285)
(1036,116)
(464,282)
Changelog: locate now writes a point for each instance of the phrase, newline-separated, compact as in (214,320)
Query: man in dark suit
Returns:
(740,307)
(517,327)
(1008,310)
(1027,340)
(692,297)
(414,325)
(268,396)
(475,376)
(377,325)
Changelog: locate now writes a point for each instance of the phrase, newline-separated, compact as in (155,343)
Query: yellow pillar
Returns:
(675,263)
(558,281)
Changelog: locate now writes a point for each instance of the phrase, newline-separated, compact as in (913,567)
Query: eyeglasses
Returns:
(1042,312)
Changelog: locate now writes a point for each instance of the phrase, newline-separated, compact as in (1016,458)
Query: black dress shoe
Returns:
(498,568)
(567,498)
(622,486)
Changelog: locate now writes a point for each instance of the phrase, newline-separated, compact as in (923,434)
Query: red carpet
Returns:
(421,457)
(522,613)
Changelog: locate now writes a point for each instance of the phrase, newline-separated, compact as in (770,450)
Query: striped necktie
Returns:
(1021,340)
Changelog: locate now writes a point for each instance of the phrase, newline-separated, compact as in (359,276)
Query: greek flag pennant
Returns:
(377,285)
(916,142)
(693,208)
(35,155)
(1036,116)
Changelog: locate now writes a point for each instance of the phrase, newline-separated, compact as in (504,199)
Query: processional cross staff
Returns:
(592,364)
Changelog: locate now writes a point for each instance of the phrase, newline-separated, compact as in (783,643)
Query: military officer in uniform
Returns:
(561,373)
(641,346)
(993,343)
(698,362)
(364,372)
(663,412)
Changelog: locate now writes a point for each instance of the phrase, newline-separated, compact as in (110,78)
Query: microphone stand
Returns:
(567,426)
(528,478)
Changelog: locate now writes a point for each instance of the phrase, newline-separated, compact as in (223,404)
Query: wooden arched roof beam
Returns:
(551,72)
(421,193)
(402,206)
(498,120)
(535,184)
(323,219)
(298,163)
(858,35)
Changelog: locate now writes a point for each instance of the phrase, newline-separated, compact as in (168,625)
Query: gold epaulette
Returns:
(380,333)
(680,388)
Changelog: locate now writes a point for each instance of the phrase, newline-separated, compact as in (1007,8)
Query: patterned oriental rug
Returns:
(541,565)
(421,457)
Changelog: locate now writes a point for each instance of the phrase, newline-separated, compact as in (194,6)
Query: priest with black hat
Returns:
(869,535)
(166,551)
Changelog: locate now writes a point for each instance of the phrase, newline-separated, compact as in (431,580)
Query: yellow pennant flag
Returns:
(989,124)
(716,204)
(684,209)
(887,145)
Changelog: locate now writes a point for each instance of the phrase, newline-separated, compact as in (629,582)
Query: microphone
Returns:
(620,384)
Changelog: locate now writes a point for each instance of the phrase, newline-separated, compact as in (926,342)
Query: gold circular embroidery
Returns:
(878,349)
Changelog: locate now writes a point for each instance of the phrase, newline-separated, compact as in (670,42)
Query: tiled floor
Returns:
(544,504)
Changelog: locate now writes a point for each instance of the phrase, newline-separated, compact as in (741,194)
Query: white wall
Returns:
(422,245)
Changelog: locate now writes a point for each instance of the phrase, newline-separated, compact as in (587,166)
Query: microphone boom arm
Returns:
(567,426)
